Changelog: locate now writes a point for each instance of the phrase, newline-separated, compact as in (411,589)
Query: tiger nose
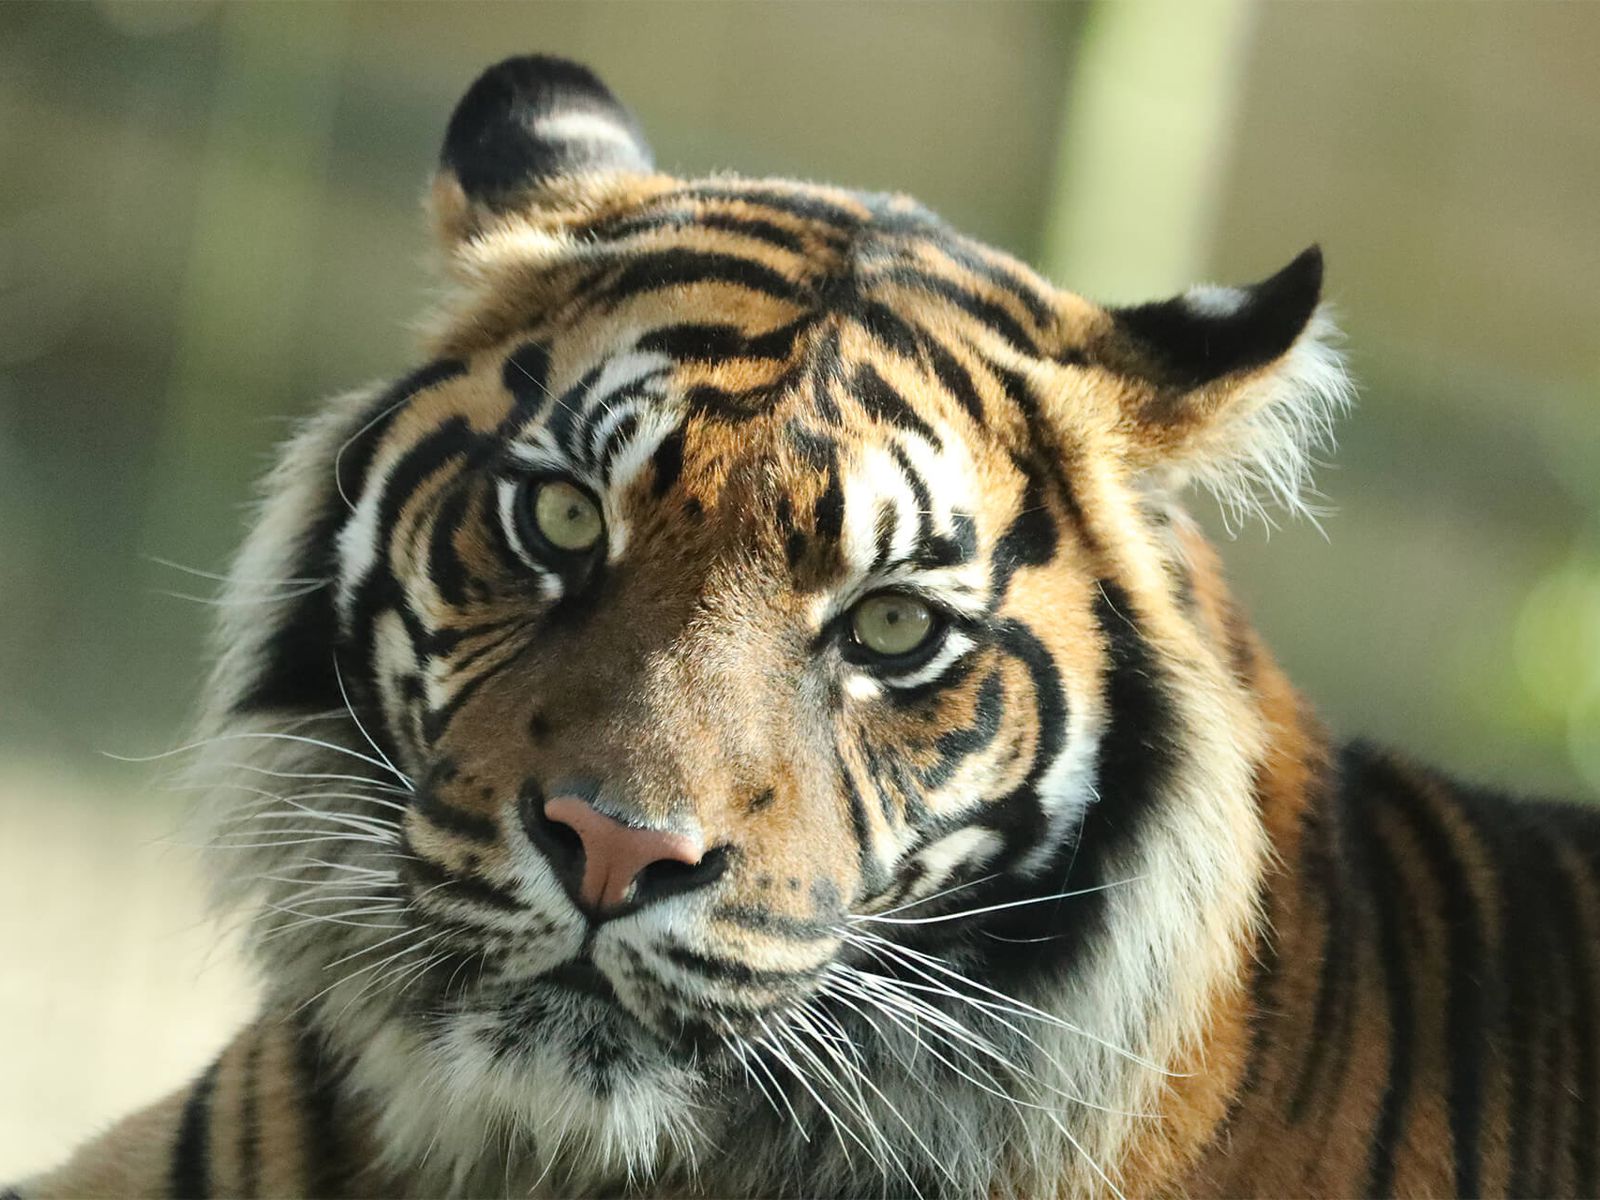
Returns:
(623,863)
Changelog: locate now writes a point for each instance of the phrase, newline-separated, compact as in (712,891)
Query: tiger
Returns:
(757,718)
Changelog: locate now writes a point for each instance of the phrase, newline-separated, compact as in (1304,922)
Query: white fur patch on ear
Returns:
(1265,448)
(1215,300)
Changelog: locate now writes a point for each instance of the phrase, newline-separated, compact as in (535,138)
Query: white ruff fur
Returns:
(1264,449)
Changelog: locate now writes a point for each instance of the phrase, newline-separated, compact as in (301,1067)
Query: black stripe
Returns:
(661,269)
(828,512)
(1134,759)
(496,636)
(761,920)
(437,720)
(1472,991)
(455,820)
(778,343)
(752,227)
(569,408)
(1392,907)
(888,327)
(1323,871)
(1030,540)
(914,696)
(975,306)
(921,495)
(1579,1026)
(297,670)
(1266,980)
(453,441)
(956,745)
(355,458)
(1137,751)
(1554,1055)
(526,376)
(1050,457)
(191,1154)
(735,407)
(615,443)
(971,257)
(797,204)
(936,550)
(882,402)
(873,876)
(250,1117)
(1524,858)
(884,527)
(687,219)
(731,970)
(695,342)
(1582,950)
(889,769)
(447,885)
(667,462)
(317,1080)
(445,569)
(955,379)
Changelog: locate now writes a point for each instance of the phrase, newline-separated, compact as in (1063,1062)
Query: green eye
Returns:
(892,623)
(566,517)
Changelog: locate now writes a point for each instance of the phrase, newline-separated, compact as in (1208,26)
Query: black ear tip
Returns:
(1298,286)
(1207,333)
(525,78)
(534,116)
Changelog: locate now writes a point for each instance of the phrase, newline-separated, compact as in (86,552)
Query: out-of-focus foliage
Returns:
(209,217)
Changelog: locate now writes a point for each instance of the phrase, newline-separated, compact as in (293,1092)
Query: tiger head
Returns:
(754,710)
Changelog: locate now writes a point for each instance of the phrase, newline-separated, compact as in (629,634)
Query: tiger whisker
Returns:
(978,912)
(338,677)
(874,988)
(234,601)
(773,1044)
(736,1047)
(376,784)
(300,812)
(936,895)
(219,577)
(1022,1008)
(858,1076)
(259,735)
(267,795)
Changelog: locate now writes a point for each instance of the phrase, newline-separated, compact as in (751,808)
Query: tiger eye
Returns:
(566,517)
(892,623)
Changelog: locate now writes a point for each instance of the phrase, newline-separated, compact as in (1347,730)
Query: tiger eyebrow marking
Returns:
(934,551)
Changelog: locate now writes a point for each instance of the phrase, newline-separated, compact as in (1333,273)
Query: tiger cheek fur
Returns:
(754,718)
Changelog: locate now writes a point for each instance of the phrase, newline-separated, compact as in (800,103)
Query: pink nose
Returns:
(614,854)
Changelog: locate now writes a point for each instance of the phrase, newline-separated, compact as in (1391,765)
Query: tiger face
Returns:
(752,627)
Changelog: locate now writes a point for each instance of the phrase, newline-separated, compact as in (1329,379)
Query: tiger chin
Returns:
(749,716)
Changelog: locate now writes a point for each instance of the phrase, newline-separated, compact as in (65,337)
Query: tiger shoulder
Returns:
(765,725)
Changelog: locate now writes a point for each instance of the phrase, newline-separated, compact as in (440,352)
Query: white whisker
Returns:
(978,912)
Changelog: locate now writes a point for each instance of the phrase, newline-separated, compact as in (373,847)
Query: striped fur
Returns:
(1077,900)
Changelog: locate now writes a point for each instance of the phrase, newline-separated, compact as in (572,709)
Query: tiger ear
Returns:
(1232,387)
(531,134)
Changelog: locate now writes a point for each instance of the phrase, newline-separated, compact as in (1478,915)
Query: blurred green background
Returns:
(210,217)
